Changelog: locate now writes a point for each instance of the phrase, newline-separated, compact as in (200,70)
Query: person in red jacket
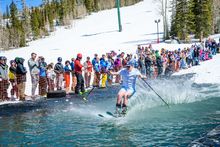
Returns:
(79,77)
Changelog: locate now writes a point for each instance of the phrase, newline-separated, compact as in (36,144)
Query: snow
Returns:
(207,72)
(98,33)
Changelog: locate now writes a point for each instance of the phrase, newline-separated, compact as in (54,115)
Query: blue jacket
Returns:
(109,65)
(67,68)
(96,67)
(43,66)
(103,63)
(72,66)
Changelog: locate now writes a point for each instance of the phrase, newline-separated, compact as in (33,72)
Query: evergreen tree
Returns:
(35,24)
(89,5)
(13,15)
(181,21)
(15,26)
(192,16)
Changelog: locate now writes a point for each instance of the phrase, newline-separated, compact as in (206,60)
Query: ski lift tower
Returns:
(118,3)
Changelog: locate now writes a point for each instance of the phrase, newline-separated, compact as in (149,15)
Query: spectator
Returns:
(96,68)
(73,74)
(80,89)
(13,79)
(103,64)
(51,75)
(21,77)
(42,77)
(59,70)
(67,71)
(88,72)
(34,71)
(4,84)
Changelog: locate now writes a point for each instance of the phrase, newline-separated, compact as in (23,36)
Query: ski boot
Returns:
(124,111)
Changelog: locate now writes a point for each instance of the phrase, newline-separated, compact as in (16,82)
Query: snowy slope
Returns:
(207,72)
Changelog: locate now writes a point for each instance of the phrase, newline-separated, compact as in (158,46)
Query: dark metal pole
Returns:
(158,37)
(119,15)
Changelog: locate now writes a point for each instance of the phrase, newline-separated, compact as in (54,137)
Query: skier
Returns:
(129,75)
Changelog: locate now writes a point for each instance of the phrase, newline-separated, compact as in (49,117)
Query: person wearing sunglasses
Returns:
(129,75)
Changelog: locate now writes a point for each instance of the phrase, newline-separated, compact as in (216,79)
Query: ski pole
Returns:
(85,98)
(156,93)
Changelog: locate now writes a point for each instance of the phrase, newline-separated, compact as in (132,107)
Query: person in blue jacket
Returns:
(103,66)
(96,68)
(42,77)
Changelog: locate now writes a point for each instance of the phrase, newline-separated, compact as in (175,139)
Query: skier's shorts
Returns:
(129,91)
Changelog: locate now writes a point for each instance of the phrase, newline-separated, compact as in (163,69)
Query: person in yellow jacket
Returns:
(13,79)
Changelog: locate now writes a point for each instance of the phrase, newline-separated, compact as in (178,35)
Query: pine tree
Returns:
(89,5)
(15,25)
(180,22)
(35,24)
(203,17)
(13,15)
(192,16)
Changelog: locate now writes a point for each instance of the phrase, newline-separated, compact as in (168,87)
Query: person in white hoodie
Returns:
(34,71)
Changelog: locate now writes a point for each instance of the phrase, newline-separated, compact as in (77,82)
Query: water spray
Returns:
(156,93)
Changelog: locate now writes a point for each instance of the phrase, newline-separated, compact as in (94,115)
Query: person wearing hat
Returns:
(129,75)
(4,84)
(59,70)
(33,65)
(80,89)
(13,79)
(21,77)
